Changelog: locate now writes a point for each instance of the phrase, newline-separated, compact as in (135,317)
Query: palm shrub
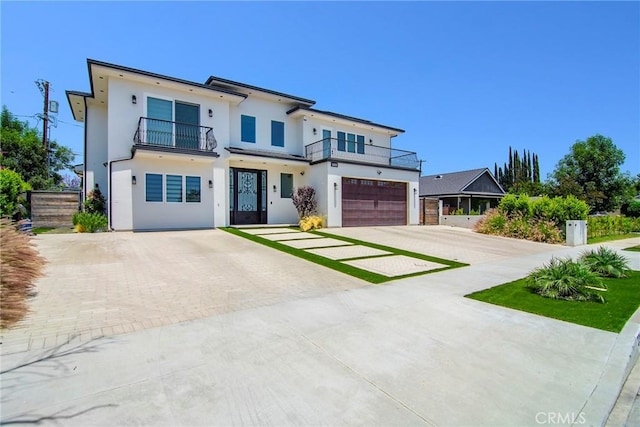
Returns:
(21,265)
(566,279)
(605,262)
(89,222)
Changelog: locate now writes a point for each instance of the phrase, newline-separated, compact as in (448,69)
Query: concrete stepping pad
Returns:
(290,236)
(397,265)
(344,252)
(316,243)
(261,231)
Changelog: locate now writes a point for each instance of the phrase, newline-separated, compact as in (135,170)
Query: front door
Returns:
(248,195)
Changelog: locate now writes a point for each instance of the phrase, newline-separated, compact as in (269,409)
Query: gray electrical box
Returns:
(576,232)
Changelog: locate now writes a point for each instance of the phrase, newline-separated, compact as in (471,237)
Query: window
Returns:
(360,144)
(277,133)
(247,128)
(174,188)
(153,187)
(193,189)
(286,185)
(341,141)
(351,143)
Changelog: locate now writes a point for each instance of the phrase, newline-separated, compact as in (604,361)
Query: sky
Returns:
(465,80)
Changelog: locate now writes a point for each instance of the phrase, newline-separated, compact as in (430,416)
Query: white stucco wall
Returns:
(124,116)
(265,111)
(372,136)
(328,182)
(280,210)
(96,150)
(165,215)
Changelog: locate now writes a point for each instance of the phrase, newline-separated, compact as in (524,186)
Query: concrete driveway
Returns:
(275,340)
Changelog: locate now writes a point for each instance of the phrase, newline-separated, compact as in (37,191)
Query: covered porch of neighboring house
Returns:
(466,204)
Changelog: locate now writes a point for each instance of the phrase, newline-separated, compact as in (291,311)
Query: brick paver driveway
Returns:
(110,283)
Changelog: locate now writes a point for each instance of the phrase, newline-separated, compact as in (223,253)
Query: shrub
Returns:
(632,209)
(89,222)
(95,202)
(598,226)
(458,211)
(11,185)
(606,262)
(304,199)
(565,279)
(313,222)
(21,266)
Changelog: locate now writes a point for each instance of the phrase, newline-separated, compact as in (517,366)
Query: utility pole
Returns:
(46,115)
(43,85)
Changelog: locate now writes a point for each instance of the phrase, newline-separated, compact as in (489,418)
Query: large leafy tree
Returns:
(23,152)
(591,172)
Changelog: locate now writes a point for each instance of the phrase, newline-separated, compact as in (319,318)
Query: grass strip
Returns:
(365,275)
(633,249)
(610,238)
(395,251)
(622,300)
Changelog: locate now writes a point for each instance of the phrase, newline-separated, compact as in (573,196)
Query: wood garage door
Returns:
(367,202)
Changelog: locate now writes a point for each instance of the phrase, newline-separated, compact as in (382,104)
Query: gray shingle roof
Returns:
(451,183)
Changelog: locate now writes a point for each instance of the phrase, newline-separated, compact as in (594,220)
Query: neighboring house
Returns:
(472,190)
(174,154)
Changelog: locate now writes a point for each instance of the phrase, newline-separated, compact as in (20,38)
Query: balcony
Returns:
(174,135)
(359,152)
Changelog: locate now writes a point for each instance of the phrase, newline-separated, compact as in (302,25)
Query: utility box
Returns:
(576,232)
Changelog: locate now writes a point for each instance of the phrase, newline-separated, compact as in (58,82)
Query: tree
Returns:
(22,152)
(591,172)
(521,175)
(11,185)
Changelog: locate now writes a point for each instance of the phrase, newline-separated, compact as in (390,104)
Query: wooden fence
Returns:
(53,208)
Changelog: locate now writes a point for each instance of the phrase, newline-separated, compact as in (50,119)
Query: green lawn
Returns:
(52,230)
(342,267)
(633,249)
(622,300)
(592,240)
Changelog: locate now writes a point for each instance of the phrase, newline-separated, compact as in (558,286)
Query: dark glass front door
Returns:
(248,193)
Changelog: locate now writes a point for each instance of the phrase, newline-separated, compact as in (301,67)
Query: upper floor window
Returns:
(277,133)
(350,142)
(247,128)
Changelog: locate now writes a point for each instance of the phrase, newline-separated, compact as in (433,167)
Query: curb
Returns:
(622,358)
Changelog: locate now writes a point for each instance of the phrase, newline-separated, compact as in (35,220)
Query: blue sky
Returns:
(465,80)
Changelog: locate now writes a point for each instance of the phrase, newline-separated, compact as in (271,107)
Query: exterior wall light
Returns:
(335,185)
(315,131)
(210,112)
(133,180)
(302,173)
(134,100)
(379,171)
(210,184)
(274,188)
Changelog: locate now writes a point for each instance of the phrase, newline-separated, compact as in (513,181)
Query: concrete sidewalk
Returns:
(406,353)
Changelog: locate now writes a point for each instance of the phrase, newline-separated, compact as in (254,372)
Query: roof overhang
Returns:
(247,90)
(352,122)
(237,153)
(159,152)
(77,104)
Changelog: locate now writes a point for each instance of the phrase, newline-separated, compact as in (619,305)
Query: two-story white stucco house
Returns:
(174,154)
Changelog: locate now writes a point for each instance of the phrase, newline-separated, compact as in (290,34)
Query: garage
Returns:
(368,202)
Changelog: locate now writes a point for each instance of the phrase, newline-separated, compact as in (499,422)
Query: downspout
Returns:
(111,162)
